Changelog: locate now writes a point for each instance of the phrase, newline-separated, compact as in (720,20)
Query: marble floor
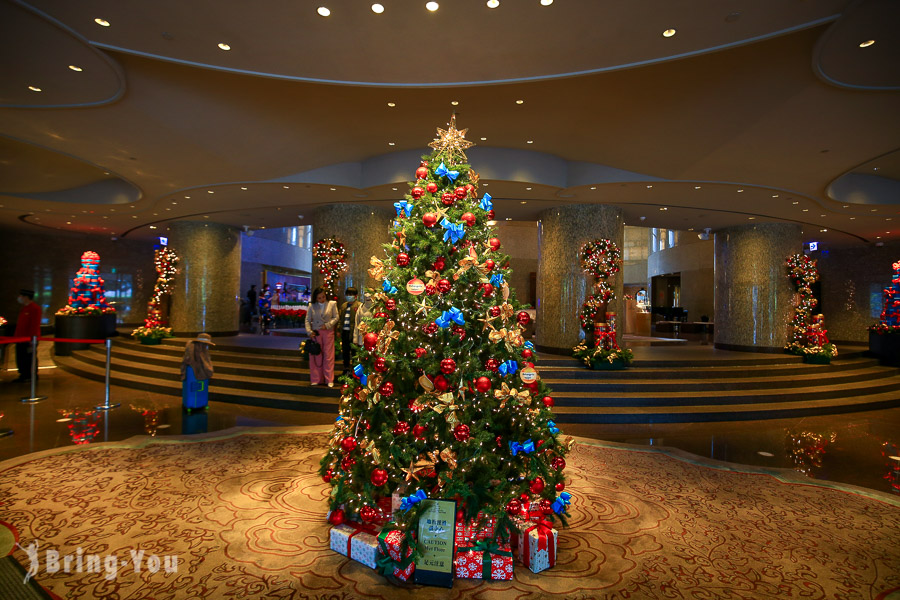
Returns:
(861,448)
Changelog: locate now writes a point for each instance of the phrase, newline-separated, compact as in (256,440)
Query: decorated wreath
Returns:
(601,258)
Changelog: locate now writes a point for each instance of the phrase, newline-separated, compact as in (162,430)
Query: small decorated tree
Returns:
(87,296)
(599,349)
(155,325)
(890,311)
(807,336)
(330,257)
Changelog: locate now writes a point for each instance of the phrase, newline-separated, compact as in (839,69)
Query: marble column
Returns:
(362,230)
(206,294)
(754,295)
(561,284)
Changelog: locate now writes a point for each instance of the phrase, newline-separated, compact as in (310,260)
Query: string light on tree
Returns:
(330,259)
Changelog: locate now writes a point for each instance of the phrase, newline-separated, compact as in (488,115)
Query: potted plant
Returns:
(151,336)
(600,358)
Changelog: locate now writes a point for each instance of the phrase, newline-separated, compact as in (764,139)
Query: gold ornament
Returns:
(449,457)
(377,270)
(386,337)
(423,307)
(452,142)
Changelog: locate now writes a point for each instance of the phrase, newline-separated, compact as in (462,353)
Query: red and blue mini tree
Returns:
(890,312)
(87,295)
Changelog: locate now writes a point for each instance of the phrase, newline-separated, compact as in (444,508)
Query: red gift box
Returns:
(479,528)
(390,561)
(485,560)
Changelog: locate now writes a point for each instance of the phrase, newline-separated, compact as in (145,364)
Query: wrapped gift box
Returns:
(485,560)
(467,533)
(353,542)
(389,548)
(535,544)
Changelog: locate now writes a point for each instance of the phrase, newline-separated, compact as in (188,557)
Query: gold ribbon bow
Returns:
(505,393)
(449,457)
(386,337)
(468,262)
(377,270)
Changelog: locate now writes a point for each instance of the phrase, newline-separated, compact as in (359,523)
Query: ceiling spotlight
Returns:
(432,6)
(739,191)
(493,3)
(34,88)
(76,69)
(664,208)
(523,201)
(529,189)
(520,102)
(224,46)
(649,186)
(752,218)
(333,189)
(867,43)
(210,192)
(377,9)
(774,195)
(822,230)
(243,188)
(454,102)
(529,142)
(795,202)
(594,187)
(101,22)
(324,12)
(483,139)
(390,143)
(546,2)
(696,187)
(287,187)
(669,33)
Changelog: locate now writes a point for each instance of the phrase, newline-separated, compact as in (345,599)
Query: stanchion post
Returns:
(33,398)
(106,405)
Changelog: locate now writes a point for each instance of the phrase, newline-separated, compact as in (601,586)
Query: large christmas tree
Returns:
(444,402)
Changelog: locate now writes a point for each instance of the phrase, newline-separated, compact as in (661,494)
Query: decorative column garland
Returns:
(330,257)
(165,261)
(807,334)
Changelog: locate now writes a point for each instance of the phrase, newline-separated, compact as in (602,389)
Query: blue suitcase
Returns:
(194,392)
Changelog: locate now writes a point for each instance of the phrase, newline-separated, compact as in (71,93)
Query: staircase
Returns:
(685,387)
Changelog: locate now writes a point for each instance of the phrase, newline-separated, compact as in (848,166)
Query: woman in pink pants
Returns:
(321,317)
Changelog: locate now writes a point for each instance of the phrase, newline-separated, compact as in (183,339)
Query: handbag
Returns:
(313,347)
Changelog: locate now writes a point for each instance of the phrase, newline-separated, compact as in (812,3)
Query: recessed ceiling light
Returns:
(530,142)
(483,139)
(877,237)
(774,195)
(391,104)
(594,187)
(102,22)
(805,210)
(454,102)
(432,6)
(852,218)
(649,186)
(766,454)
(210,192)
(324,12)
(866,43)
(874,210)
(243,188)
(663,208)
(795,202)
(187,197)
(546,2)
(393,188)
(333,189)
(287,187)
(224,46)
(377,9)
(520,102)
(173,202)
(889,219)
(752,218)
(875,169)
(509,218)
(485,184)
(696,187)
(76,68)
(529,189)
(493,3)
(669,32)
(34,88)
(739,191)
(523,201)
(68,222)
(153,227)
(299,216)
(390,143)
(821,215)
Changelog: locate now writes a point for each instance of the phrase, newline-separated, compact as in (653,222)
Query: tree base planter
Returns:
(81,327)
(886,347)
(817,359)
(605,365)
(150,341)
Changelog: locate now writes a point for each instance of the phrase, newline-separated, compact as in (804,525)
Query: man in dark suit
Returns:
(346,321)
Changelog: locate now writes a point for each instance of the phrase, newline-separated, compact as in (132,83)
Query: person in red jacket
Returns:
(28,325)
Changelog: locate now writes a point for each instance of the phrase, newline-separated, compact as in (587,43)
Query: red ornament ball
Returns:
(548,401)
(402,259)
(460,192)
(469,219)
(470,189)
(494,243)
(537,485)
(420,352)
(558,463)
(489,264)
(523,318)
(423,163)
(447,198)
(429,219)
(348,444)
(368,514)
(494,311)
(379,477)
(513,507)
(526,353)
(328,475)
(419,431)
(430,328)
(422,172)
(431,187)
(380,364)
(417,192)
(344,389)
(441,384)
(461,432)
(390,304)
(386,389)
(492,364)
(430,290)
(448,366)
(490,215)
(444,286)
(483,384)
(401,428)
(560,486)
(439,263)
(546,506)
(380,315)
(336,517)
(460,515)
(488,289)
(347,462)
(370,340)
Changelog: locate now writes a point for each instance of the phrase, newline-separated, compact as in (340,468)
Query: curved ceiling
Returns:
(728,120)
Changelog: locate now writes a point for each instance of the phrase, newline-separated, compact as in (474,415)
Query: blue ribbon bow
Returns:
(553,427)
(408,502)
(442,171)
(486,204)
(403,206)
(455,231)
(529,345)
(497,280)
(559,505)
(448,316)
(387,287)
(508,367)
(527,447)
(360,371)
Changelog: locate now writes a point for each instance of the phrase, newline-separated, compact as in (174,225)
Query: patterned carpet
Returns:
(244,511)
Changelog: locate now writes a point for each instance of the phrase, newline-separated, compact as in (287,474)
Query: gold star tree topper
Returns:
(452,142)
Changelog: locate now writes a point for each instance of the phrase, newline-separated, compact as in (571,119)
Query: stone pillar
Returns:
(362,230)
(561,284)
(754,295)
(206,294)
